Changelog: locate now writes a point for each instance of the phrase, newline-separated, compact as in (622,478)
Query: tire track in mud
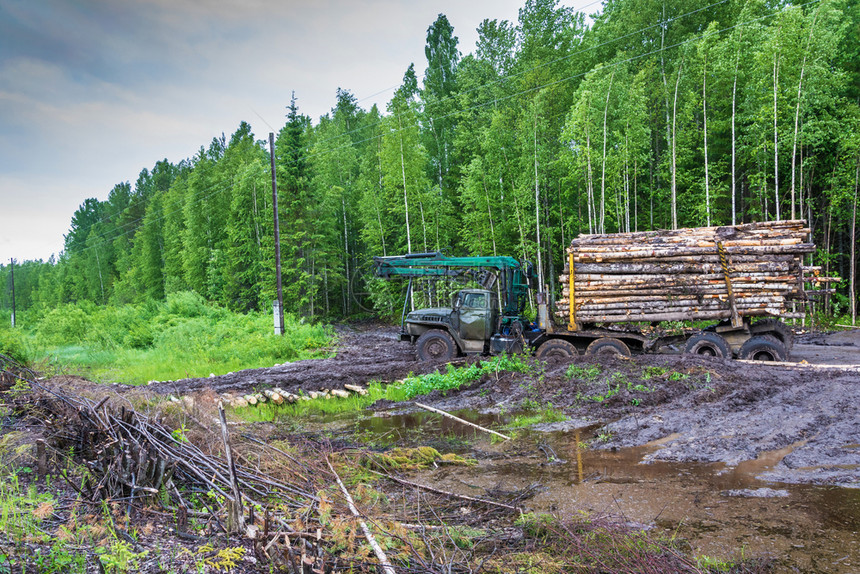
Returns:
(362,356)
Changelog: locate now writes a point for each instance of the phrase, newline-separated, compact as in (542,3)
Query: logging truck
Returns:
(729,285)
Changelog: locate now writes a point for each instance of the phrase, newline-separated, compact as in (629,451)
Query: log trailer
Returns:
(618,289)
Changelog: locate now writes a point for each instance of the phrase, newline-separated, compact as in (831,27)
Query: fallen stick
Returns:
(799,366)
(236,518)
(458,419)
(445,492)
(387,568)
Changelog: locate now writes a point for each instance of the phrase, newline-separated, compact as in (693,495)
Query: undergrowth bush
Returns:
(182,336)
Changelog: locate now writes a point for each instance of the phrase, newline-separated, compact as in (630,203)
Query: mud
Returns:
(734,457)
(701,409)
(363,354)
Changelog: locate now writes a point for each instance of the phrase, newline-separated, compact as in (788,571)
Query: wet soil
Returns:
(726,454)
(705,410)
(363,354)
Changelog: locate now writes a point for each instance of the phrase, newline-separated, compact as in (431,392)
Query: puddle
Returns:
(813,529)
(426,425)
(724,512)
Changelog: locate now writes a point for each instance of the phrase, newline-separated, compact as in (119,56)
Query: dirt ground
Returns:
(702,409)
(672,442)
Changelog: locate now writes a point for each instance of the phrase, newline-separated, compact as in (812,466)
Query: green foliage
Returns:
(747,112)
(455,377)
(547,414)
(588,373)
(180,337)
(13,344)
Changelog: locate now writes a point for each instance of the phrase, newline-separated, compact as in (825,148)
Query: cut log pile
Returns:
(701,273)
(280,396)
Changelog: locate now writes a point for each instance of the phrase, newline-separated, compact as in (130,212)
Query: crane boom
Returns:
(513,274)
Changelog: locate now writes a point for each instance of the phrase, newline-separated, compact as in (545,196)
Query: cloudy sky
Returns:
(92,91)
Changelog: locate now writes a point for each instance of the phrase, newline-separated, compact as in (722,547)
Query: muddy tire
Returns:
(436,345)
(777,329)
(709,345)
(556,349)
(608,346)
(762,348)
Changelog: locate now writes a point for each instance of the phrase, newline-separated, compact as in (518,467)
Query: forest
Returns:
(645,115)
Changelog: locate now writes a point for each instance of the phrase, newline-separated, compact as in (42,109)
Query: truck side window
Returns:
(475,301)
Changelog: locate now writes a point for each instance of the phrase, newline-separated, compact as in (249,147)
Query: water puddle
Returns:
(724,512)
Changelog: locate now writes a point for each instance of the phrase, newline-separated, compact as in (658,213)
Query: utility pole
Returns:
(12,261)
(279,304)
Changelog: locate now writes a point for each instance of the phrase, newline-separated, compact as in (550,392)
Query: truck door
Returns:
(475,320)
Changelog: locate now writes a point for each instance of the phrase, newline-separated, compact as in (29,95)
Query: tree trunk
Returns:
(489,211)
(603,167)
(734,138)
(537,204)
(405,196)
(776,58)
(674,150)
(797,108)
(853,266)
(705,119)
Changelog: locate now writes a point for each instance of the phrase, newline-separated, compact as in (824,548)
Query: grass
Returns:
(180,337)
(453,378)
(547,414)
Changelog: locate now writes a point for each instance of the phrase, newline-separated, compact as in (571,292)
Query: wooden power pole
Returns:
(279,311)
(12,272)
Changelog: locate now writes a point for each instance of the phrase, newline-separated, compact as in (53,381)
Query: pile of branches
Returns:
(701,273)
(293,509)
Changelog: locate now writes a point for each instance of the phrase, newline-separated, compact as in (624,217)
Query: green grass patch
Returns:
(584,373)
(180,337)
(453,378)
(547,414)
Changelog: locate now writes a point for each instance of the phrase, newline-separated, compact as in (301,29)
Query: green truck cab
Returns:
(468,325)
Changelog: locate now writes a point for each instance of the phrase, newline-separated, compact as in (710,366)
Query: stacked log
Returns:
(701,273)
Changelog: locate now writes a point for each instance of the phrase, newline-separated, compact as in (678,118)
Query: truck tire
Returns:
(608,346)
(779,330)
(556,349)
(436,345)
(708,344)
(762,348)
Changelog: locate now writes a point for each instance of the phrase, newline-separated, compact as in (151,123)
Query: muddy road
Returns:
(734,457)
(702,409)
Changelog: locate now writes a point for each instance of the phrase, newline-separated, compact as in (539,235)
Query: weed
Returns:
(547,414)
(604,436)
(589,373)
(452,379)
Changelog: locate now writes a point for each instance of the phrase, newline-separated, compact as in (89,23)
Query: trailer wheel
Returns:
(436,345)
(779,330)
(709,344)
(608,346)
(556,349)
(762,348)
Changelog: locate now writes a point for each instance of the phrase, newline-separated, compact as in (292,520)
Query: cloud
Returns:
(92,91)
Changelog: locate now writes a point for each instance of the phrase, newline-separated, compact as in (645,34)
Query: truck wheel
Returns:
(608,346)
(709,344)
(436,345)
(779,330)
(556,349)
(762,348)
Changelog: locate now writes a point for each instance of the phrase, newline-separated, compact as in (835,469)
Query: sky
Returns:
(93,91)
